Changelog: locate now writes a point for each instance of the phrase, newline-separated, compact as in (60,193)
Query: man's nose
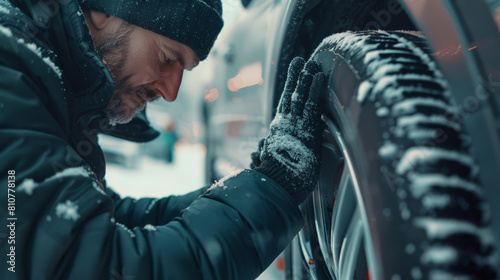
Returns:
(169,80)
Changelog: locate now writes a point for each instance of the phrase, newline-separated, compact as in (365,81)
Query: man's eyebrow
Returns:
(179,58)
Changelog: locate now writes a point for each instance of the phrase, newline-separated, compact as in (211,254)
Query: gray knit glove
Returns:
(255,156)
(291,151)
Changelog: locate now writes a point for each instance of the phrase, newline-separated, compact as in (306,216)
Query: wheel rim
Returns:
(340,222)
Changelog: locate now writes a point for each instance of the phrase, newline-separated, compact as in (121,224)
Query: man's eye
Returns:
(167,60)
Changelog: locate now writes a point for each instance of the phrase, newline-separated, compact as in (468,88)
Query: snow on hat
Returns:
(194,23)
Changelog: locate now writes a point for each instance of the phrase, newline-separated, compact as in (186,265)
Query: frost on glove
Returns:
(290,154)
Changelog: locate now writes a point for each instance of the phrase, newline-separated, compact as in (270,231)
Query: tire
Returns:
(396,171)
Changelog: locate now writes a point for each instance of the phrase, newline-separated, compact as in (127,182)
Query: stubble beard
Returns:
(113,50)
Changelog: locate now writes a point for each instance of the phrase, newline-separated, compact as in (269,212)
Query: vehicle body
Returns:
(117,151)
(250,63)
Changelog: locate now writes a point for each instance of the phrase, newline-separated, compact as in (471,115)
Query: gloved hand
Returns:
(255,156)
(291,151)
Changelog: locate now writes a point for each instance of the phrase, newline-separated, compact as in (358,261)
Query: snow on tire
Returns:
(413,140)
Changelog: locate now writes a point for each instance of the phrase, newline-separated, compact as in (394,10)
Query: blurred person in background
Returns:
(70,70)
(169,139)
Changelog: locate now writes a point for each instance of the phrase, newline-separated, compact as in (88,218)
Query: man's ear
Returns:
(100,20)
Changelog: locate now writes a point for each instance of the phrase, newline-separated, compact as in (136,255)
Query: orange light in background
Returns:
(234,84)
(211,95)
(449,52)
(497,17)
(249,75)
(233,128)
(281,264)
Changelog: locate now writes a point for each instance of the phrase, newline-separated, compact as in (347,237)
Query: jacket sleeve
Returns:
(133,212)
(233,231)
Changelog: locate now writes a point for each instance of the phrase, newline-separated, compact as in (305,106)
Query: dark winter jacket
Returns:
(59,219)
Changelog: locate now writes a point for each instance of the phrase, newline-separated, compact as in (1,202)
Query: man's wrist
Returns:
(273,170)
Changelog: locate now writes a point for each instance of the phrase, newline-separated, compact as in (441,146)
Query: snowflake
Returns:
(151,205)
(149,227)
(67,210)
(6,31)
(28,185)
(131,233)
(97,187)
(70,172)
(220,183)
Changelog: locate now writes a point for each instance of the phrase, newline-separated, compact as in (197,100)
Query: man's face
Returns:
(144,65)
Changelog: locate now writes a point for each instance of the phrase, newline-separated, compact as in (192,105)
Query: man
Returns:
(67,74)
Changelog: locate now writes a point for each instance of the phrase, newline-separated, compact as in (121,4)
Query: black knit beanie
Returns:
(194,23)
